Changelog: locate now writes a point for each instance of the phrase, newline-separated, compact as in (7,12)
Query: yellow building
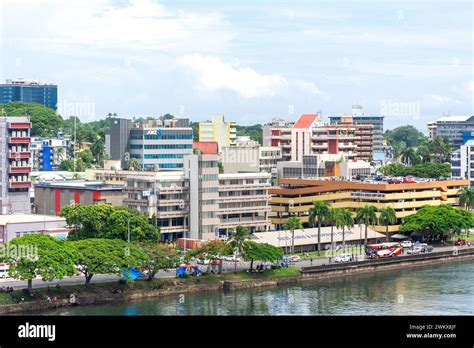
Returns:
(224,133)
(295,197)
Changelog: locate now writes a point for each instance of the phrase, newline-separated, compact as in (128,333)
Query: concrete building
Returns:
(15,165)
(295,197)
(243,200)
(224,133)
(29,91)
(453,128)
(117,138)
(202,172)
(19,225)
(161,195)
(277,132)
(363,137)
(161,145)
(48,153)
(51,197)
(359,118)
(318,166)
(249,156)
(462,162)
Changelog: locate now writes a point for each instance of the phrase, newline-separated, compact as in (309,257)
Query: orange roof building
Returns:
(206,147)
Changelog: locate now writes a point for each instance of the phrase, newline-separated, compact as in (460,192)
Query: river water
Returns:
(437,290)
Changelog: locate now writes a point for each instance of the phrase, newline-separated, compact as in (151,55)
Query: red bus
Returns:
(383,250)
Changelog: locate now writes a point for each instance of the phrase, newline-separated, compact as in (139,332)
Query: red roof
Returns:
(206,147)
(305,121)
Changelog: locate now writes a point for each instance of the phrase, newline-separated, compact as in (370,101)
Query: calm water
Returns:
(439,290)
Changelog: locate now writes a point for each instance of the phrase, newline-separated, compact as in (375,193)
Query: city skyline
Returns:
(408,61)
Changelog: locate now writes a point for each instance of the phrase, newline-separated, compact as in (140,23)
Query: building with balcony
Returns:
(15,165)
(243,200)
(29,91)
(48,153)
(277,133)
(295,197)
(224,133)
(453,128)
(360,119)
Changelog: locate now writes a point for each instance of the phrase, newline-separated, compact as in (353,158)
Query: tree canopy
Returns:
(107,256)
(160,257)
(38,255)
(261,252)
(106,221)
(423,170)
(45,121)
(443,219)
(408,135)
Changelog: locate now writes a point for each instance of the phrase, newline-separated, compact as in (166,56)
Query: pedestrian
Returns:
(311,260)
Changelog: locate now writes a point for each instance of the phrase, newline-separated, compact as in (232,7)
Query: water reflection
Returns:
(439,290)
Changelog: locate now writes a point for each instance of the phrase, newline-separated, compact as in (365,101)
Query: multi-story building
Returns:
(296,196)
(453,128)
(19,225)
(51,197)
(161,145)
(225,133)
(163,196)
(249,156)
(48,153)
(29,91)
(363,137)
(15,165)
(202,171)
(243,200)
(360,119)
(117,138)
(462,162)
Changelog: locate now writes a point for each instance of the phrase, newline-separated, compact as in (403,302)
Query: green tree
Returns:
(466,198)
(133,164)
(261,252)
(212,250)
(387,217)
(408,135)
(107,256)
(293,223)
(331,220)
(106,221)
(366,215)
(255,132)
(317,214)
(160,257)
(237,240)
(44,121)
(343,219)
(441,220)
(38,255)
(441,151)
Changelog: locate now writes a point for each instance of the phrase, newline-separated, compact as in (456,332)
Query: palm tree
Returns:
(330,220)
(317,214)
(237,240)
(387,217)
(424,152)
(440,148)
(293,223)
(366,215)
(466,198)
(343,219)
(408,155)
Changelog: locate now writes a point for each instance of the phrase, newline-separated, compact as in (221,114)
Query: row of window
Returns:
(161,146)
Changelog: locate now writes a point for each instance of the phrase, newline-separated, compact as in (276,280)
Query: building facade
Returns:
(19,225)
(15,165)
(359,119)
(453,128)
(243,200)
(51,197)
(224,133)
(296,196)
(29,91)
(48,153)
(161,145)
(117,138)
(462,162)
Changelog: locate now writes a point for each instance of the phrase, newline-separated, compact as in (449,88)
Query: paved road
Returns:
(228,267)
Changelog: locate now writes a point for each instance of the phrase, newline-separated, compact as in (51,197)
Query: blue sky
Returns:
(249,60)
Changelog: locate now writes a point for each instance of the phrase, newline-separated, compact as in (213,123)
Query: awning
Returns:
(399,236)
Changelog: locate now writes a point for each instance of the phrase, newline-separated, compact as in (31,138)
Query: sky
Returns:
(252,61)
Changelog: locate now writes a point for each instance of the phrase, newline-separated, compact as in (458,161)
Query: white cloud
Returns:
(436,98)
(214,75)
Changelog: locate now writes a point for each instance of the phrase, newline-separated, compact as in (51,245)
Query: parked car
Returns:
(394,181)
(461,242)
(203,261)
(231,258)
(343,258)
(407,244)
(415,250)
(426,248)
(294,258)
(409,180)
